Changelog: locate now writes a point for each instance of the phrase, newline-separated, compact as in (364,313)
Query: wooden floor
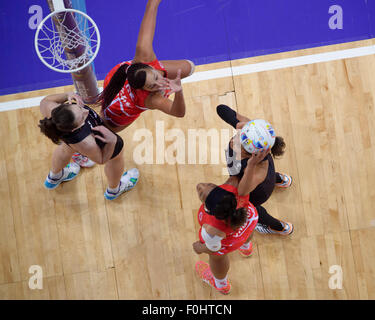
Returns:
(140,245)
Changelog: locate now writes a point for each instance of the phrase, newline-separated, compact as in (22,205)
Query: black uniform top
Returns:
(264,190)
(92,120)
(76,136)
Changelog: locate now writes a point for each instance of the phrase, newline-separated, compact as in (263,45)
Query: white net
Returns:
(67,41)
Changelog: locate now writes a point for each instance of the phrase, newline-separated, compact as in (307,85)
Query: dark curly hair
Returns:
(226,209)
(62,120)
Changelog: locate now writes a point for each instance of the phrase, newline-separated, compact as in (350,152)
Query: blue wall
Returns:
(204,31)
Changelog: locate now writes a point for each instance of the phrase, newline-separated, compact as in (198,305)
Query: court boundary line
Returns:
(234,71)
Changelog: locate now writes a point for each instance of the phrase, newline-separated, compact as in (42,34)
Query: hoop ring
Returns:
(40,26)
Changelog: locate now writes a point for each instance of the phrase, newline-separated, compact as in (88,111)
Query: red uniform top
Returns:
(129,103)
(234,238)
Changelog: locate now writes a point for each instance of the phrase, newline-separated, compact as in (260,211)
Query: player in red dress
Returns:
(143,83)
(227,220)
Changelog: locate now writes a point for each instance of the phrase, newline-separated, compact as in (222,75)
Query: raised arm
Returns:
(53,100)
(174,108)
(144,51)
(254,174)
(231,117)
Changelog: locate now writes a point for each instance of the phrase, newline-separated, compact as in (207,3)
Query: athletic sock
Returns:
(114,190)
(56,176)
(245,246)
(221,283)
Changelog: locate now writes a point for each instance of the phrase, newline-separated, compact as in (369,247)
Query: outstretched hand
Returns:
(174,85)
(162,83)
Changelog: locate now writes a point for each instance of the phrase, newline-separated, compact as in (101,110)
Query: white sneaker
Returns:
(69,173)
(128,181)
(82,160)
(287,228)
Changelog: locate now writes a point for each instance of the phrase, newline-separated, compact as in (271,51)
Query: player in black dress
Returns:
(77,128)
(265,175)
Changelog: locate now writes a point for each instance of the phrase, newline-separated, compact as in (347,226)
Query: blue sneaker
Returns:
(69,173)
(128,181)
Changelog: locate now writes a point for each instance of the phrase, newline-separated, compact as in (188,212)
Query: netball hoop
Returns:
(67,40)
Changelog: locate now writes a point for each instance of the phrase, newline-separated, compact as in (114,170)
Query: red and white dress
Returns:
(234,238)
(129,103)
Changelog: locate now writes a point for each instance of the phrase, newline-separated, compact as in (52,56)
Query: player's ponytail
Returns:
(279,147)
(135,74)
(61,121)
(113,88)
(238,218)
(48,128)
(226,209)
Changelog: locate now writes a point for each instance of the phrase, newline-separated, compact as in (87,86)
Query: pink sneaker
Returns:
(82,160)
(204,272)
(246,252)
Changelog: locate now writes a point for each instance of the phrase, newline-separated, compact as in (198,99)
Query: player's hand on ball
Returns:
(258,157)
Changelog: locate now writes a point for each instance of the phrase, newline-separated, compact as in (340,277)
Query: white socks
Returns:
(114,190)
(221,283)
(245,246)
(56,176)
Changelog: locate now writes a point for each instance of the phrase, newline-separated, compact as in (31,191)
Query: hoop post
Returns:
(84,80)
(58,5)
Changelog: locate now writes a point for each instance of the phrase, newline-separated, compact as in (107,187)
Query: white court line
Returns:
(234,71)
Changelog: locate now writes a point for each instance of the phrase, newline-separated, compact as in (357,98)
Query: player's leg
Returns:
(215,273)
(114,169)
(219,266)
(246,249)
(62,169)
(172,66)
(231,117)
(271,225)
(61,157)
(118,181)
